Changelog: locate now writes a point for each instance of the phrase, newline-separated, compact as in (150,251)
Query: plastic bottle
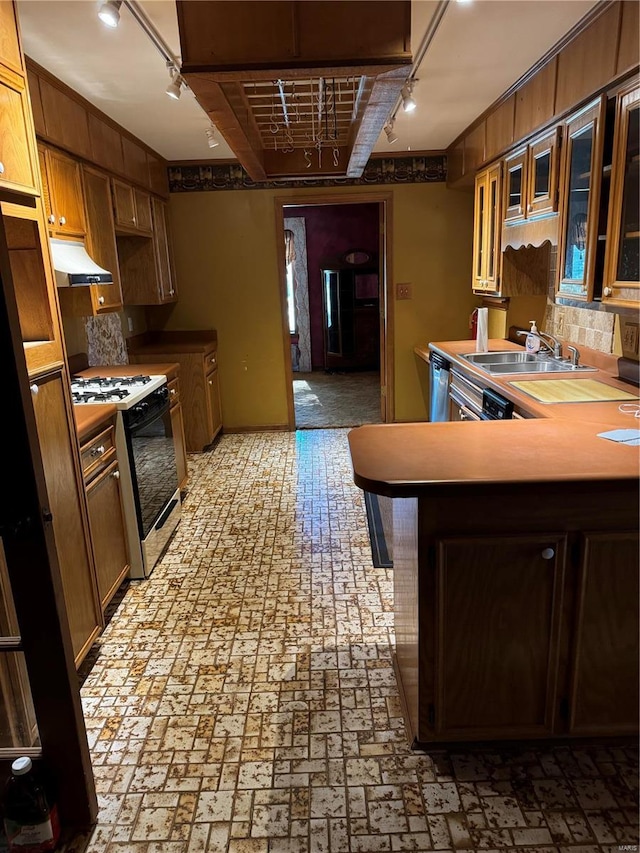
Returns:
(532,343)
(30,820)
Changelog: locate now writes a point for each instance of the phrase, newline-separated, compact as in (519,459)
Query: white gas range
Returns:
(144,439)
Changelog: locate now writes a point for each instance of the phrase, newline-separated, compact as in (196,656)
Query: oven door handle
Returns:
(150,418)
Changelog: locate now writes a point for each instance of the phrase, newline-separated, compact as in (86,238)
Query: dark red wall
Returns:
(332,230)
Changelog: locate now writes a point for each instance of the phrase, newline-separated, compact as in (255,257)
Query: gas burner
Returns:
(134,380)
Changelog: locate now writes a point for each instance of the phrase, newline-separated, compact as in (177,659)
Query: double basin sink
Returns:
(523,362)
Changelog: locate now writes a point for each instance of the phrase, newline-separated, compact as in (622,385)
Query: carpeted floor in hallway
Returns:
(336,399)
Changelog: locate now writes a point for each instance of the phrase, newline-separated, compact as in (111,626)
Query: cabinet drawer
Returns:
(97,453)
(174,392)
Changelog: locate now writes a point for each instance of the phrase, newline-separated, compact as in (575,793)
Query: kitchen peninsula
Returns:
(515,572)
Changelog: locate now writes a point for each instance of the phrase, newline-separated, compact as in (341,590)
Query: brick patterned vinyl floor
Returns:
(243,700)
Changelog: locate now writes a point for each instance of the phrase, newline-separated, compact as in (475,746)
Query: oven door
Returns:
(154,473)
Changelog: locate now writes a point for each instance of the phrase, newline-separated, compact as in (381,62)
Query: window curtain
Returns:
(296,253)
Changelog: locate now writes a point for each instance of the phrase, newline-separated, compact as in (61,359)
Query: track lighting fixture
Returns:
(408,103)
(212,142)
(109,13)
(388,129)
(174,89)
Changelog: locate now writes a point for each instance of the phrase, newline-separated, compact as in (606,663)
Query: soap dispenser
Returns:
(532,343)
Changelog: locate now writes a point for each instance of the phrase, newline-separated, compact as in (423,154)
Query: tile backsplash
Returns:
(105,340)
(594,329)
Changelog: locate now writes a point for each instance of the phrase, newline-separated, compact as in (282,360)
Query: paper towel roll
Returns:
(482,331)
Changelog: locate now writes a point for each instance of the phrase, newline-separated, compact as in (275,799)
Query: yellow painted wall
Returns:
(227,274)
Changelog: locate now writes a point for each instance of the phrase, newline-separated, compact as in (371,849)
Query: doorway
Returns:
(335,323)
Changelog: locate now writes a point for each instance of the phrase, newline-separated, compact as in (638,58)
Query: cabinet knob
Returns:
(607,291)
(172,391)
(100,300)
(62,220)
(34,388)
(548,553)
(51,219)
(133,219)
(213,360)
(98,451)
(1,168)
(211,382)
(172,292)
(115,475)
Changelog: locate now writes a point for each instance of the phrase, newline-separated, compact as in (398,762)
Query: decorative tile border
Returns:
(383,170)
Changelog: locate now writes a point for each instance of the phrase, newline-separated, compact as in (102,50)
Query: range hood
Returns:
(73,266)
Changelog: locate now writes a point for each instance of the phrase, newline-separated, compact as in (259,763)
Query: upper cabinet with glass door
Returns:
(621,267)
(580,183)
(486,230)
(531,179)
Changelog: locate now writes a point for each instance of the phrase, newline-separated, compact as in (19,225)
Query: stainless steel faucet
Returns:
(555,347)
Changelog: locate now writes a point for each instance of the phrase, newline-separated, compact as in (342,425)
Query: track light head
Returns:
(109,13)
(174,89)
(408,102)
(388,129)
(212,142)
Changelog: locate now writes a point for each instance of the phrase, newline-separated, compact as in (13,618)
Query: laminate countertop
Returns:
(168,369)
(90,417)
(598,412)
(557,443)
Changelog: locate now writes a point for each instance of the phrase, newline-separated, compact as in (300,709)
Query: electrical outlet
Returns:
(630,338)
(560,324)
(404,291)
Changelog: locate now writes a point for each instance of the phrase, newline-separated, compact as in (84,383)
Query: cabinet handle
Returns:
(51,219)
(34,388)
(548,553)
(97,451)
(62,220)
(608,291)
(100,300)
(115,475)
(1,168)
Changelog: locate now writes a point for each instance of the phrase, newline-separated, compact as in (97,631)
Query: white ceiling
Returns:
(479,49)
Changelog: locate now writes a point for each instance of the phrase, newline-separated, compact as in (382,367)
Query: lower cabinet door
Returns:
(604,690)
(177,427)
(65,490)
(497,636)
(108,532)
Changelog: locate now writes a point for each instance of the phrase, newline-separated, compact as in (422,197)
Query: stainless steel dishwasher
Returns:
(439,374)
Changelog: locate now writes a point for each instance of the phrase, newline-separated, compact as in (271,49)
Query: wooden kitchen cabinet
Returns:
(177,427)
(101,471)
(101,246)
(18,156)
(25,261)
(486,230)
(622,256)
(196,353)
(146,265)
(531,179)
(58,444)
(580,184)
(164,254)
(62,193)
(507,591)
(132,209)
(604,688)
(518,623)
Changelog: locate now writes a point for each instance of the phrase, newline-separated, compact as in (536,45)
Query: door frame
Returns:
(385,212)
